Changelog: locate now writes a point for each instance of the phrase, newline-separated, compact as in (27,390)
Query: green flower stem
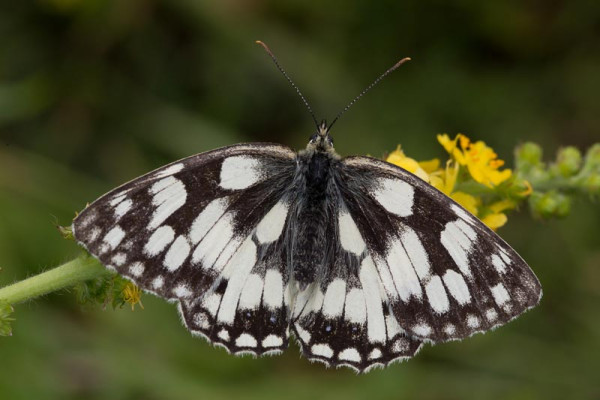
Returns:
(538,185)
(82,268)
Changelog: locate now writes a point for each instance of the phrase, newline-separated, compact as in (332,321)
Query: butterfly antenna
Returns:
(270,53)
(386,73)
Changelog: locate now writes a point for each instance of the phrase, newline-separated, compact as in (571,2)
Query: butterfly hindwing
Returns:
(344,317)
(445,273)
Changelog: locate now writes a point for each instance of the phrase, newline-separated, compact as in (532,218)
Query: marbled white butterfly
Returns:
(361,261)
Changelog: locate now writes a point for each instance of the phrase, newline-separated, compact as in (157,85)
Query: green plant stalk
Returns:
(82,268)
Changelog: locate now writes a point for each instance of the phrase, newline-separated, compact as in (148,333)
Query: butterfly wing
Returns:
(191,231)
(342,317)
(446,275)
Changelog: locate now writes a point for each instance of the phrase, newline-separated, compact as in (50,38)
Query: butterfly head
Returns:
(321,140)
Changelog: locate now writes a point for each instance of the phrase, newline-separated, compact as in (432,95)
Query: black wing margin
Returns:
(446,274)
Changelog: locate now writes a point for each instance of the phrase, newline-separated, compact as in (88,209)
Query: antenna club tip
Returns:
(258,42)
(399,63)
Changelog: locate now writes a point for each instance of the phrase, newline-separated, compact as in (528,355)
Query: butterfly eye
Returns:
(313,138)
(330,140)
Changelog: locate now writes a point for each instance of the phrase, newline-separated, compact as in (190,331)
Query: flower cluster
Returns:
(472,176)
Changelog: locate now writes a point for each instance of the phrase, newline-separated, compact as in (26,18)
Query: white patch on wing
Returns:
(491,315)
(162,184)
(243,261)
(392,326)
(349,354)
(498,263)
(182,290)
(114,237)
(421,329)
(201,320)
(457,286)
(500,294)
(322,350)
(211,303)
(136,269)
(270,227)
(355,309)
(170,170)
(395,195)
(122,208)
(458,238)
(119,259)
(473,321)
(315,302)
(223,334)
(304,335)
(403,274)
(240,172)
(245,340)
(462,213)
(436,294)
(302,300)
(376,353)
(169,195)
(208,218)
(273,292)
(159,240)
(117,199)
(226,255)
(504,256)
(333,303)
(272,341)
(94,234)
(211,246)
(386,277)
(158,282)
(252,293)
(416,252)
(375,320)
(350,236)
(178,252)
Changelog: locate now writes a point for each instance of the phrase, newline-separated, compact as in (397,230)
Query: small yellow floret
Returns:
(132,295)
(481,161)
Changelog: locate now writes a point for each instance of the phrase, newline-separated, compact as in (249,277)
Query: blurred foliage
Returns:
(93,93)
(6,311)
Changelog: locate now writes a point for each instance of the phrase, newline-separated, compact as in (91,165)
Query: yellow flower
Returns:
(481,161)
(132,295)
(445,181)
(495,221)
(420,169)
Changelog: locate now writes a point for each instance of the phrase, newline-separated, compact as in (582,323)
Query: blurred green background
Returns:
(94,93)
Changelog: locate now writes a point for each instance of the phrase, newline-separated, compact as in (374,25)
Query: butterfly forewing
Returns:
(191,231)
(445,274)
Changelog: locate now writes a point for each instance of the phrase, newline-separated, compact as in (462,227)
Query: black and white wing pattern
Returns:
(205,231)
(359,259)
(445,275)
(344,319)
